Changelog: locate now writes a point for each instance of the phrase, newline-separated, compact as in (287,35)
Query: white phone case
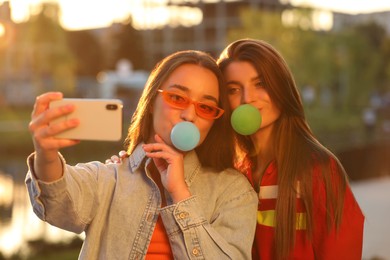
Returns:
(100,119)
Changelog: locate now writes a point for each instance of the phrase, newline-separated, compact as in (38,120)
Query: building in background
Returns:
(341,20)
(210,35)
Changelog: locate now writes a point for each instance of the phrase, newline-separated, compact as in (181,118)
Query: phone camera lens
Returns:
(112,107)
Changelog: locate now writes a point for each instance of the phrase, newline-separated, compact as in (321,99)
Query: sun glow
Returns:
(149,14)
(87,14)
(345,6)
(2,30)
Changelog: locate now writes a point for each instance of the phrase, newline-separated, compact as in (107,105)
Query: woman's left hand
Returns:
(170,164)
(117,158)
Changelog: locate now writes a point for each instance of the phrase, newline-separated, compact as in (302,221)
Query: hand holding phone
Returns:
(100,119)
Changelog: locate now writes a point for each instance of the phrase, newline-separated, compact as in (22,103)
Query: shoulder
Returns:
(95,169)
(326,162)
(229,178)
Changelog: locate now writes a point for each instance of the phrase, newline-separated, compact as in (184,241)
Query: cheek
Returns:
(271,115)
(234,102)
(161,120)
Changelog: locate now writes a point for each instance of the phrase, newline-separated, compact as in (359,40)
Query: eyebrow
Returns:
(185,89)
(252,80)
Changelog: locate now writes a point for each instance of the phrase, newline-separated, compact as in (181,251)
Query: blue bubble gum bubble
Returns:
(185,136)
(246,119)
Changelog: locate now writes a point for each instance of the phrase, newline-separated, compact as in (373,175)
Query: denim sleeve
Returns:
(68,203)
(229,235)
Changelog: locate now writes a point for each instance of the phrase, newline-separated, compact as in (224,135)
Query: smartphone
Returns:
(100,119)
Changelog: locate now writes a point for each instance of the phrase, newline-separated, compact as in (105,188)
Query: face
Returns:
(245,86)
(195,82)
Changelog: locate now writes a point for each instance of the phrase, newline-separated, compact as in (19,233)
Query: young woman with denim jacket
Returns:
(158,202)
(306,207)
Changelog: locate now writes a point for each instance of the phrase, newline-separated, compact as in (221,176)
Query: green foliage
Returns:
(15,138)
(41,51)
(128,44)
(87,51)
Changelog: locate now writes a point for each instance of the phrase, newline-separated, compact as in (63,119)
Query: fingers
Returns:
(117,159)
(42,102)
(163,155)
(53,144)
(159,149)
(42,115)
(123,154)
(45,117)
(44,136)
(159,139)
(41,127)
(113,159)
(48,130)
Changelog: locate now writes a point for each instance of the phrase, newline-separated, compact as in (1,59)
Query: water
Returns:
(19,224)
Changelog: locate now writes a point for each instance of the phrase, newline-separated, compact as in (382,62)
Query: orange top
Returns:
(159,248)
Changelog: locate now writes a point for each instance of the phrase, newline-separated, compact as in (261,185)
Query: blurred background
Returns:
(339,52)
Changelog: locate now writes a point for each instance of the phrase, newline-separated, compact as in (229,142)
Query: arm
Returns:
(72,201)
(347,241)
(47,164)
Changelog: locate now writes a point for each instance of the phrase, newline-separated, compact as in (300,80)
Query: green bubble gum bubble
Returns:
(246,119)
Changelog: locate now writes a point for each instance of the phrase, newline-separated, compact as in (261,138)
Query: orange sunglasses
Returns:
(179,101)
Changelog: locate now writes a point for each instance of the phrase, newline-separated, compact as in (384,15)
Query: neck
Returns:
(262,141)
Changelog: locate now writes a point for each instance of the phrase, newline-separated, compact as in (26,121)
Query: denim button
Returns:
(195,251)
(182,215)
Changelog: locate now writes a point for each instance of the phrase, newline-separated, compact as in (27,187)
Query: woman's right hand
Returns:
(43,133)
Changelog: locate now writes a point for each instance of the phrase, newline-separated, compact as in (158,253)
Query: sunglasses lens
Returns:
(176,100)
(207,111)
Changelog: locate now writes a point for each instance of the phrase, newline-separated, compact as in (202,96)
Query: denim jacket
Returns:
(117,206)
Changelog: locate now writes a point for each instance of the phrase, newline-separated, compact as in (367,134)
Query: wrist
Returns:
(180,194)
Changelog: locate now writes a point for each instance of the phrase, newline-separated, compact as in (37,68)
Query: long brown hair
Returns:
(217,150)
(297,151)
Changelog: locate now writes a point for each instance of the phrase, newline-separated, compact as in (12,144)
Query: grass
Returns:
(336,130)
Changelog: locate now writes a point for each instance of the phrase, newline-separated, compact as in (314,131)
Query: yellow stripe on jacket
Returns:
(267,218)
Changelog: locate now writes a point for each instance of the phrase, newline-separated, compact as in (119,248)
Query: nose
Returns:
(247,96)
(189,114)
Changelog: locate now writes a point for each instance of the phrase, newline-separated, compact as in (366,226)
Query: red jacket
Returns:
(344,244)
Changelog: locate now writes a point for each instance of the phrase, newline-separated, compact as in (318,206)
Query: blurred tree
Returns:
(43,54)
(379,43)
(359,72)
(385,86)
(87,52)
(350,64)
(127,44)
(310,54)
